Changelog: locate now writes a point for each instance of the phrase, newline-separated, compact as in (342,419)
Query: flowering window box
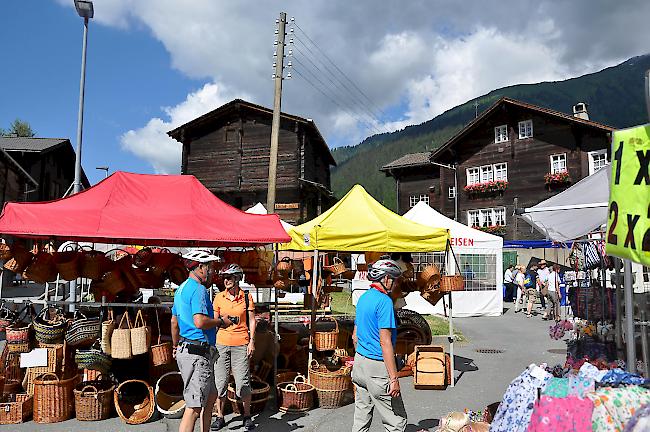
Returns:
(499,230)
(486,188)
(557,179)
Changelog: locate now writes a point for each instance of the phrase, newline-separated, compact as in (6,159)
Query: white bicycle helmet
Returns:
(384,267)
(232,269)
(198,256)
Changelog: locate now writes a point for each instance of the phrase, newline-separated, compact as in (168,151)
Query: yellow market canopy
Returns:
(358,223)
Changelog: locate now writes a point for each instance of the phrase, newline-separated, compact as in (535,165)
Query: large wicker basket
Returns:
(18,411)
(67,264)
(452,283)
(296,396)
(134,401)
(42,269)
(326,340)
(336,268)
(169,395)
(430,275)
(259,395)
(93,400)
(331,399)
(53,398)
(324,379)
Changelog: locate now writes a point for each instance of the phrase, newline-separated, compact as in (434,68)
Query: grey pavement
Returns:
(481,380)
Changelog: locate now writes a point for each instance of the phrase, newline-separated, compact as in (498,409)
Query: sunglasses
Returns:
(230,277)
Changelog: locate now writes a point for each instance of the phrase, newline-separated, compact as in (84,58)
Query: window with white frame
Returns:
(487,173)
(414,199)
(452,192)
(478,271)
(525,129)
(501,171)
(486,217)
(473,176)
(558,163)
(501,134)
(597,160)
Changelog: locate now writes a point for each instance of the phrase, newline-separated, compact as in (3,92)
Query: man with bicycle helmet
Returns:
(374,336)
(194,337)
(235,343)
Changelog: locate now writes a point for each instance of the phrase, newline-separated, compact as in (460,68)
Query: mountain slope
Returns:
(614,95)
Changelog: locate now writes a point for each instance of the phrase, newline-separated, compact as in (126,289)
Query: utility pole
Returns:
(277,104)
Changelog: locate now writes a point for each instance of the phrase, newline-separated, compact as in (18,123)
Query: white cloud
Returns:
(152,143)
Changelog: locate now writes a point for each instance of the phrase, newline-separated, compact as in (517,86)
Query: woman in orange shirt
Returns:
(235,343)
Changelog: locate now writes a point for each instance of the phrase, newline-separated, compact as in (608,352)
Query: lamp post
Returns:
(103,168)
(454,168)
(85,11)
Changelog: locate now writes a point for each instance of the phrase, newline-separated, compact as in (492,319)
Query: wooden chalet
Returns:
(511,151)
(228,149)
(49,161)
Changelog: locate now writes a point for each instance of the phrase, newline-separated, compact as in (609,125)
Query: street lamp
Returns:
(85,10)
(103,168)
(454,168)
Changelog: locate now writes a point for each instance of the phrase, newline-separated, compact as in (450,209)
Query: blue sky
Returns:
(156,64)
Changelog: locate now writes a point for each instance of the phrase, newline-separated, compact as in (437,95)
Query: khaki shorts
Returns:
(198,376)
(531,293)
(233,358)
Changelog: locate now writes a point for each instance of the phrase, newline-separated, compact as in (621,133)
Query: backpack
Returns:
(246,301)
(528,281)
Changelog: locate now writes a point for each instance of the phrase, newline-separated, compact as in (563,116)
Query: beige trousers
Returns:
(372,381)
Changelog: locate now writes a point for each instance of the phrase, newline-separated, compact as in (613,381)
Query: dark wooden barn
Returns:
(228,149)
(530,151)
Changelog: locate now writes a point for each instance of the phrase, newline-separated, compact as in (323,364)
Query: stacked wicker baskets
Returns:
(331,385)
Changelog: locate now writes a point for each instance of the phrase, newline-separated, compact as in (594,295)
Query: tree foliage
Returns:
(18,128)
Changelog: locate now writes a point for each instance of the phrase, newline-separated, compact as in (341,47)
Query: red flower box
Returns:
(499,230)
(559,178)
(486,187)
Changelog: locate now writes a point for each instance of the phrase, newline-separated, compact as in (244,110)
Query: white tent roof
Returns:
(575,212)
(260,209)
(462,236)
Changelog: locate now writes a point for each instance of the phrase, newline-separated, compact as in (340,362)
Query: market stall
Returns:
(358,223)
(52,360)
(480,257)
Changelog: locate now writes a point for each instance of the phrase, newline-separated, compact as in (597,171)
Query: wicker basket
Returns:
(285,377)
(337,268)
(18,411)
(169,395)
(330,399)
(324,379)
(49,331)
(93,358)
(134,401)
(55,355)
(452,283)
(284,265)
(288,340)
(121,340)
(140,335)
(177,273)
(21,258)
(325,341)
(7,317)
(83,331)
(18,336)
(67,264)
(160,262)
(5,251)
(94,264)
(161,353)
(430,275)
(259,395)
(54,398)
(296,396)
(42,269)
(106,333)
(12,387)
(372,257)
(93,400)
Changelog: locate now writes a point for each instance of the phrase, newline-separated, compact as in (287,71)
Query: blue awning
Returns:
(534,244)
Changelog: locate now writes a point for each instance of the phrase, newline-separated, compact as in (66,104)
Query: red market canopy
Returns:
(145,209)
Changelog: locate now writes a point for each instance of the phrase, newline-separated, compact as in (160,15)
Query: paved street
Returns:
(481,380)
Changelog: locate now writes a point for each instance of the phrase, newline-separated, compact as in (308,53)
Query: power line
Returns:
(337,68)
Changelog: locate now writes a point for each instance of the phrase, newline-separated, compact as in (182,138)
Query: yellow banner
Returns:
(628,223)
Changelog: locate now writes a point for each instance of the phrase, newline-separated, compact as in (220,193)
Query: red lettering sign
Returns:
(462,241)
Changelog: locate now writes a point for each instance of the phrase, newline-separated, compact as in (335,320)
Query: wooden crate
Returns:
(18,411)
(431,368)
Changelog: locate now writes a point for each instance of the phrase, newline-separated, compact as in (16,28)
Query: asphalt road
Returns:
(481,379)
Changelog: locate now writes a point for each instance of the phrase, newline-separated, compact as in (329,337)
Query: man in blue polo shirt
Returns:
(194,338)
(375,370)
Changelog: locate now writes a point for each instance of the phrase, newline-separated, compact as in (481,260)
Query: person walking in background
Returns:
(509,281)
(552,298)
(530,283)
(235,344)
(193,338)
(542,282)
(374,336)
(520,282)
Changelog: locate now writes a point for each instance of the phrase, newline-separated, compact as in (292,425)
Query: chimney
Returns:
(580,111)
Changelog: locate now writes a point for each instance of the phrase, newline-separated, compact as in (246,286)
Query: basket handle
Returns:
(128,322)
(83,390)
(313,364)
(291,387)
(138,316)
(300,379)
(158,324)
(109,315)
(49,374)
(338,260)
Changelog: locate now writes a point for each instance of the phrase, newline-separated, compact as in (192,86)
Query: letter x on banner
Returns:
(628,222)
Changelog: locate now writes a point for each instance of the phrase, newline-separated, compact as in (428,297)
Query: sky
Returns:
(357,68)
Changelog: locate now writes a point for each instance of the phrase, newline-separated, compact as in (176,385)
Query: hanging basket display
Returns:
(161,353)
(430,275)
(83,331)
(67,264)
(50,330)
(42,269)
(20,259)
(452,283)
(337,268)
(94,264)
(326,340)
(5,251)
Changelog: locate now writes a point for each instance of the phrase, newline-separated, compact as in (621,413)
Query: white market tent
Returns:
(478,252)
(575,212)
(260,209)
